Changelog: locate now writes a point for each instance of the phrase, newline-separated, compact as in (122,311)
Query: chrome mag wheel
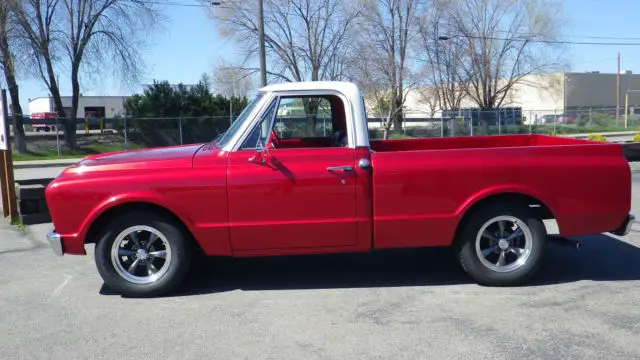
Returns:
(504,244)
(141,254)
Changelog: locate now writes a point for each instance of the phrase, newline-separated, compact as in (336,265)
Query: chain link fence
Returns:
(477,122)
(45,138)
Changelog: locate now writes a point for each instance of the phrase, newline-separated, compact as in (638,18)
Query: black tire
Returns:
(467,255)
(177,239)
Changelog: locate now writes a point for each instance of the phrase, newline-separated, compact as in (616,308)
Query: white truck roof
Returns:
(356,117)
(348,88)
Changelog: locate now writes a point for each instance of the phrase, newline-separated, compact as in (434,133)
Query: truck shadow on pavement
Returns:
(602,258)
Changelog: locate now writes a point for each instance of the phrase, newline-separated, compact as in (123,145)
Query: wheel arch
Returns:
(540,208)
(104,217)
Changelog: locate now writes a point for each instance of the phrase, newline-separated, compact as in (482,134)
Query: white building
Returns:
(535,95)
(88,106)
(550,95)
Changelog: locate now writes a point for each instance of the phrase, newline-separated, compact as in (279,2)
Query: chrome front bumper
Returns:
(625,228)
(55,241)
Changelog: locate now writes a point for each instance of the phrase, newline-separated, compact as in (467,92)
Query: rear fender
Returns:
(485,194)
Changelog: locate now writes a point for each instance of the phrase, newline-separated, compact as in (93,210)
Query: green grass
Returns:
(70,154)
(400,136)
(573,129)
(19,224)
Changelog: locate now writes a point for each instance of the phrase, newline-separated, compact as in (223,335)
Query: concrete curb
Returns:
(44,163)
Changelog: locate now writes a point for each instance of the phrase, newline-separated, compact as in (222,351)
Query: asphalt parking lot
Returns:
(397,305)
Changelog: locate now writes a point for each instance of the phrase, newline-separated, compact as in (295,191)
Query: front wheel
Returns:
(142,255)
(502,245)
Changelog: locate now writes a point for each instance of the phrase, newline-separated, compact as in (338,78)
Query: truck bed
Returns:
(478,142)
(421,188)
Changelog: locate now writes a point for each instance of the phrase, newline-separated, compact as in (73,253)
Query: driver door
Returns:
(288,198)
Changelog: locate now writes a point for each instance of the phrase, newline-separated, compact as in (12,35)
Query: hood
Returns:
(172,157)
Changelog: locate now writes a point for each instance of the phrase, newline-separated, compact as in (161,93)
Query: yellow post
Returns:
(626,105)
(7,182)
(86,125)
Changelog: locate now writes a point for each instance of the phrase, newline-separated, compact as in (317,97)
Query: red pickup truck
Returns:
(296,173)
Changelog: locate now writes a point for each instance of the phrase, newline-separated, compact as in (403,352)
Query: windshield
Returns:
(224,138)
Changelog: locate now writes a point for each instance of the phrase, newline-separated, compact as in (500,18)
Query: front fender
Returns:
(129,198)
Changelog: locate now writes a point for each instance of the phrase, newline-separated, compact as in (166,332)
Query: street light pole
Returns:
(263,60)
(618,92)
(441,93)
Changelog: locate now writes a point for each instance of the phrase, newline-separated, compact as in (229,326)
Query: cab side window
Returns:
(311,121)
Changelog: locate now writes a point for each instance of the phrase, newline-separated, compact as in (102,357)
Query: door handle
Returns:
(340,168)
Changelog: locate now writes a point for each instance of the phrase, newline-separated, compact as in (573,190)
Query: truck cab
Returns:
(297,174)
(308,147)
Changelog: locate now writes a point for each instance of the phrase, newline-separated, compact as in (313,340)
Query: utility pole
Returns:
(263,60)
(618,92)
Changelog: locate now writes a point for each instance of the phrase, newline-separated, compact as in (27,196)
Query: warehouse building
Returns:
(88,106)
(555,94)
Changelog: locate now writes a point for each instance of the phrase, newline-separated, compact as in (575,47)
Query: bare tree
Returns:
(36,19)
(371,72)
(87,37)
(388,29)
(304,39)
(441,57)
(504,41)
(232,81)
(9,43)
(431,97)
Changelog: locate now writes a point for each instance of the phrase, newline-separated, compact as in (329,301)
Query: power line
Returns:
(210,4)
(529,37)
(170,3)
(566,42)
(529,34)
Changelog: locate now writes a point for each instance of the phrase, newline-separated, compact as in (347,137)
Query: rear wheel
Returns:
(501,245)
(143,255)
